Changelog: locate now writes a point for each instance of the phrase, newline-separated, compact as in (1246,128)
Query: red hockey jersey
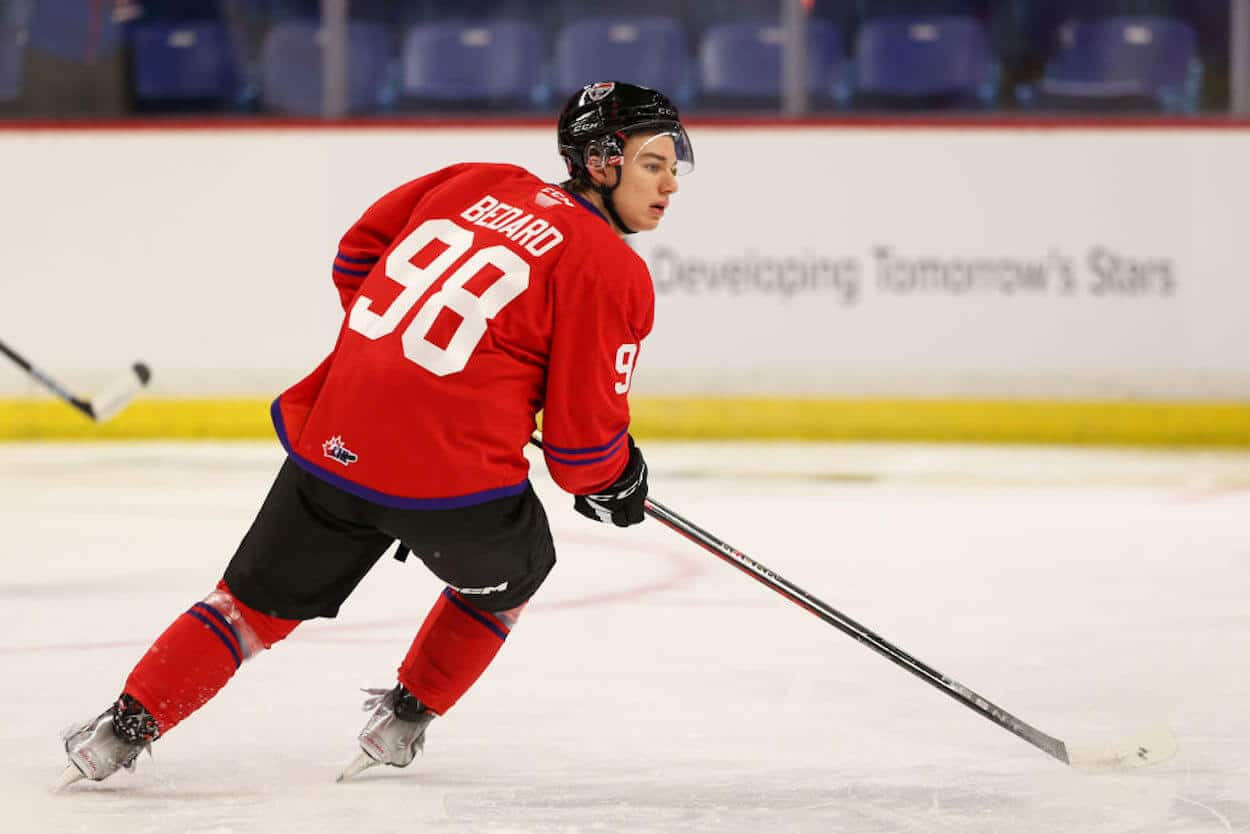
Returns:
(475,297)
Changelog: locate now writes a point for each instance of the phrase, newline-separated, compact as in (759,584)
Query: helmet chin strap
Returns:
(605,191)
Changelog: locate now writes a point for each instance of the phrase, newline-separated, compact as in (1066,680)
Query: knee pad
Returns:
(510,616)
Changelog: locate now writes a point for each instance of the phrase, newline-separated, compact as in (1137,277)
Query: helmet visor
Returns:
(680,157)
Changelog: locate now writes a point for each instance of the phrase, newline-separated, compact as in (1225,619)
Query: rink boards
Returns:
(942,281)
(1162,424)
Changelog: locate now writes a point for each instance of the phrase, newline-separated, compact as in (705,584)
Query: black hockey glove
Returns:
(622,502)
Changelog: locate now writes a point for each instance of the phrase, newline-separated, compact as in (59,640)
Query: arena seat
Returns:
(933,61)
(1130,62)
(189,61)
(494,63)
(291,79)
(741,62)
(649,50)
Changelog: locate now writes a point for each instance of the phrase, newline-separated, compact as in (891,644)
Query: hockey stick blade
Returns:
(118,396)
(69,776)
(358,765)
(1149,748)
(103,407)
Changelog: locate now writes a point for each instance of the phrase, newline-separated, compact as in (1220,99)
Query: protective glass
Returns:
(682,148)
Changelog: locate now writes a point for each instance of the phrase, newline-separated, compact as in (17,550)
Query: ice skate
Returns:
(394,734)
(99,748)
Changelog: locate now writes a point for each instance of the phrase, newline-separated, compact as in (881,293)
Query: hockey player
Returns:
(474,297)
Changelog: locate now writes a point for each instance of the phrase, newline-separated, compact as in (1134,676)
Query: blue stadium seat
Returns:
(180,62)
(498,62)
(12,42)
(75,30)
(1035,24)
(1136,62)
(743,61)
(938,60)
(641,50)
(291,79)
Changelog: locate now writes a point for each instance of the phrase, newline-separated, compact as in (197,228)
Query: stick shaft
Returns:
(766,576)
(855,630)
(47,381)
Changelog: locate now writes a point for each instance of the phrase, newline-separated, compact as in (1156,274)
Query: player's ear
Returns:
(597,171)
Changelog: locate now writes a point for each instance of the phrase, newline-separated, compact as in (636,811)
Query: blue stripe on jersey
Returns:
(482,618)
(348,260)
(588,449)
(581,461)
(382,498)
(347,271)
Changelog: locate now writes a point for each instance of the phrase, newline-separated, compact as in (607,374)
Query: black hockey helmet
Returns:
(598,118)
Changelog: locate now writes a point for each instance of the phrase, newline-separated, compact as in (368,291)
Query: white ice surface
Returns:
(651,688)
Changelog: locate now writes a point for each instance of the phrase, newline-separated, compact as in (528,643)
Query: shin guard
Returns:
(453,648)
(198,653)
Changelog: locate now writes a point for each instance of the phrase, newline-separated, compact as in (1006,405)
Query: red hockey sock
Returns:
(198,653)
(453,648)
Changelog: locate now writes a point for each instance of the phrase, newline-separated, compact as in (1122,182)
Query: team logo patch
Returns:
(335,450)
(600,91)
(550,196)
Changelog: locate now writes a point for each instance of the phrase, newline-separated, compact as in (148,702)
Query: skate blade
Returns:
(359,765)
(69,776)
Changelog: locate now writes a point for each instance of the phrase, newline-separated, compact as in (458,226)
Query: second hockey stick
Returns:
(100,408)
(1153,747)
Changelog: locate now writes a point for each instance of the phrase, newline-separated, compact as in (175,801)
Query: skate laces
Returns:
(404,705)
(133,723)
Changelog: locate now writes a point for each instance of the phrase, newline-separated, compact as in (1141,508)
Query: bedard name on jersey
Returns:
(537,236)
(478,277)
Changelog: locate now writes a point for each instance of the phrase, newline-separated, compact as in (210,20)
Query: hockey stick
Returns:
(1151,748)
(100,408)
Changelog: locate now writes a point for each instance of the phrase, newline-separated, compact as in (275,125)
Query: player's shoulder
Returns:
(490,170)
(611,253)
(498,174)
(607,265)
(599,247)
(603,247)
(514,186)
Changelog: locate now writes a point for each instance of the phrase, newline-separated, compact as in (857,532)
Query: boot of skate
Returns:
(394,734)
(97,749)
